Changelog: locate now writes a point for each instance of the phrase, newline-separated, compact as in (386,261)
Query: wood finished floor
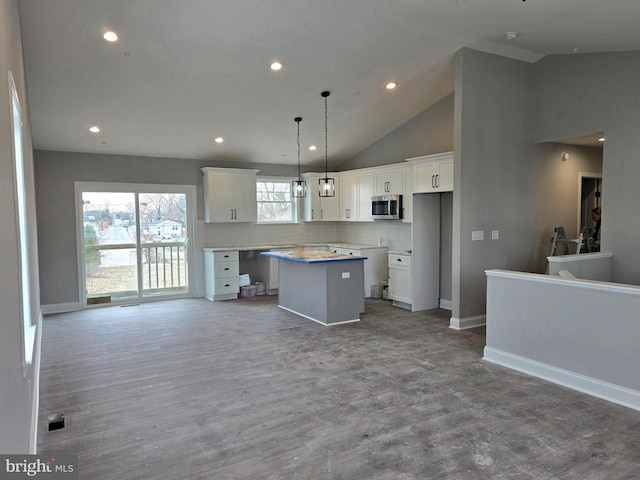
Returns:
(190,389)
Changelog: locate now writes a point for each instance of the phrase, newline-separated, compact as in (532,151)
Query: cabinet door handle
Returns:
(433,181)
(227,268)
(321,213)
(398,259)
(437,181)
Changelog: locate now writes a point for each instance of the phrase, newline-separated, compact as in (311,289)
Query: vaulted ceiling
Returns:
(184,72)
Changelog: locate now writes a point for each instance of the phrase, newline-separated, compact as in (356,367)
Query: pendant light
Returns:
(299,187)
(326,185)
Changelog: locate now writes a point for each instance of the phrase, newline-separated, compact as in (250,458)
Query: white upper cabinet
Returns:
(229,195)
(433,173)
(407,194)
(317,208)
(364,181)
(388,180)
(348,197)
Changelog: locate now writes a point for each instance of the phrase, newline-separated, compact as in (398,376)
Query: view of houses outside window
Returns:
(134,244)
(275,203)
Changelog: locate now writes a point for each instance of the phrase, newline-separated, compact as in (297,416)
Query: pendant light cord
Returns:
(298,119)
(326,147)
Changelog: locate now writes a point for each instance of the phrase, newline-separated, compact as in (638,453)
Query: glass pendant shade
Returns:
(298,187)
(326,185)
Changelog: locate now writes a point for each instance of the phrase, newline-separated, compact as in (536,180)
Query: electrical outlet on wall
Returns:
(495,234)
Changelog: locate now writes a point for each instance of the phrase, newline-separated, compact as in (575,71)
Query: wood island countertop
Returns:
(312,256)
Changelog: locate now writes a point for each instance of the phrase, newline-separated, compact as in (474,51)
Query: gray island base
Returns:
(325,287)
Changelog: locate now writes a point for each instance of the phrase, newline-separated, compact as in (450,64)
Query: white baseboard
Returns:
(318,321)
(446,304)
(466,323)
(61,307)
(591,386)
(35,401)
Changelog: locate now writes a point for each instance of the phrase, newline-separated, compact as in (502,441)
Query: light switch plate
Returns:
(346,274)
(495,234)
(477,235)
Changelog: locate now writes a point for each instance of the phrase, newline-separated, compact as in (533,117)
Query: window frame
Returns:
(293,201)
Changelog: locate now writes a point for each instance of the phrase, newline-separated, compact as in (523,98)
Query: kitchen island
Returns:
(325,287)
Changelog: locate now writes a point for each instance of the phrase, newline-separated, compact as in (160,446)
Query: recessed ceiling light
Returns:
(312,148)
(110,36)
(275,66)
(390,86)
(94,129)
(601,139)
(219,140)
(511,35)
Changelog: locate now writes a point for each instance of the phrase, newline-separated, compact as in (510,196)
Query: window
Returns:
(275,203)
(28,327)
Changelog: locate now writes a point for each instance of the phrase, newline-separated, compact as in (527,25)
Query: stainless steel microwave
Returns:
(386,207)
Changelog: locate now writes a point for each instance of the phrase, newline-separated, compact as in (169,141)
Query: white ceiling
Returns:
(186,71)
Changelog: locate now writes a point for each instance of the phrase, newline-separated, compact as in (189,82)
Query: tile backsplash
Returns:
(217,235)
(395,235)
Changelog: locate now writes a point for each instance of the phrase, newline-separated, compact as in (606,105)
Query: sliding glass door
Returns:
(134,241)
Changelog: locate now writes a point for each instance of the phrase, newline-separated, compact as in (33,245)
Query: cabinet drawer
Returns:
(226,269)
(225,256)
(397,260)
(227,285)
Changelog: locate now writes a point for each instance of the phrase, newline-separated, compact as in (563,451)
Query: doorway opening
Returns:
(133,242)
(589,196)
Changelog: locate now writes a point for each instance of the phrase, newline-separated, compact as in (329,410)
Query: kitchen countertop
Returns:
(247,248)
(316,256)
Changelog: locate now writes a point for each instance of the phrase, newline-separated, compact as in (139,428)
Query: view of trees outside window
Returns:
(275,203)
(118,245)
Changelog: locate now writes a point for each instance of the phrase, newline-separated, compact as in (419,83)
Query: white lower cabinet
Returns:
(400,284)
(221,274)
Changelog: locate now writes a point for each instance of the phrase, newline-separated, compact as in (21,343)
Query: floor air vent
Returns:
(56,421)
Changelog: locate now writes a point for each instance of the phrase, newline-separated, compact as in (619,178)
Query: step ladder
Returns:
(560,239)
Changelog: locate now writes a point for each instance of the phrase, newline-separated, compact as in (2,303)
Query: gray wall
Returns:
(494,158)
(578,94)
(55,174)
(428,132)
(18,387)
